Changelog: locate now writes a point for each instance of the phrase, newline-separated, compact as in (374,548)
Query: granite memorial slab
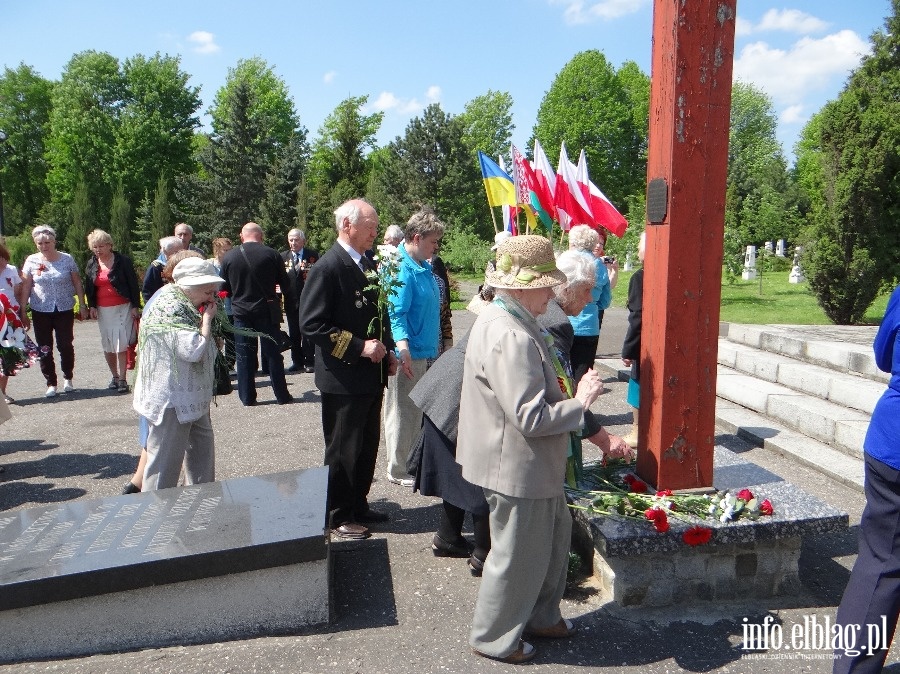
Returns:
(90,547)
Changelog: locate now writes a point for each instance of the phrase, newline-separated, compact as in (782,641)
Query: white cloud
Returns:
(791,21)
(205,42)
(809,66)
(387,101)
(793,114)
(580,12)
(328,77)
(742,27)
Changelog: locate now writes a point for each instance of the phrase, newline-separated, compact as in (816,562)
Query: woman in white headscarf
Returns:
(175,377)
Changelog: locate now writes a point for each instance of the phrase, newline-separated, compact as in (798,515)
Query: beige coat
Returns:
(514,420)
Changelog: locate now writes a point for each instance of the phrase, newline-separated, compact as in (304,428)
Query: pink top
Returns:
(106,294)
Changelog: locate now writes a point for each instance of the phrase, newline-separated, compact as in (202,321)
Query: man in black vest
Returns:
(352,364)
(297,261)
(251,272)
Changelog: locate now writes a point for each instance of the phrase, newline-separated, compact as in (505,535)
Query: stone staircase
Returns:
(806,392)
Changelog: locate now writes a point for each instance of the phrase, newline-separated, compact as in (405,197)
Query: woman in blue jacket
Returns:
(871,600)
(415,312)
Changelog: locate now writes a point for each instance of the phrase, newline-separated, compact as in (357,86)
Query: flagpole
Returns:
(493,218)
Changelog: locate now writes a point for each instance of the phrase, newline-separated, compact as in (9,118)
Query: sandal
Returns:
(114,384)
(562,630)
(123,386)
(521,655)
(476,566)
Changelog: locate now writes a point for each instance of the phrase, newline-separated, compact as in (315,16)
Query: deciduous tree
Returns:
(24,117)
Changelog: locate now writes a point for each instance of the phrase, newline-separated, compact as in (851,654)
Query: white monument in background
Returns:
(779,248)
(796,275)
(628,265)
(749,272)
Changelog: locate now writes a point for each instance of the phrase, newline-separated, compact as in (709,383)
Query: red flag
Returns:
(546,180)
(605,214)
(568,196)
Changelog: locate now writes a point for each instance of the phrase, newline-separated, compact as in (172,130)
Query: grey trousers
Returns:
(525,573)
(402,419)
(171,443)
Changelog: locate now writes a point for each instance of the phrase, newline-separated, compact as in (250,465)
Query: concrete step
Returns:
(765,432)
(841,427)
(840,348)
(849,390)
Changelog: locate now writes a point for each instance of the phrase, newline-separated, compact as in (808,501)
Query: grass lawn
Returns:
(742,302)
(779,302)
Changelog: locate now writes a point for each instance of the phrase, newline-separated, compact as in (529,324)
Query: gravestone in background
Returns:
(749,272)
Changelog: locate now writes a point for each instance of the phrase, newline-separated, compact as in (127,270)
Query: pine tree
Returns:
(235,165)
(278,209)
(120,221)
(82,215)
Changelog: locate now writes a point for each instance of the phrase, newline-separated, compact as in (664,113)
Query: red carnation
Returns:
(628,479)
(638,487)
(659,518)
(766,507)
(745,495)
(697,535)
(223,294)
(664,492)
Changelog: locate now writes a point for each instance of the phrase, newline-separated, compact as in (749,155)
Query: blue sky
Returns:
(407,54)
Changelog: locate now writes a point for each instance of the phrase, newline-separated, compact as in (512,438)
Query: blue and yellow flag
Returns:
(498,185)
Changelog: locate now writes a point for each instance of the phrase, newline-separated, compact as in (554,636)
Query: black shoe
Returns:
(130,488)
(286,401)
(309,369)
(294,368)
(371,517)
(459,548)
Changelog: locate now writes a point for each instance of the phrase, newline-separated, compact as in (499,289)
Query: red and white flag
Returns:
(605,214)
(568,196)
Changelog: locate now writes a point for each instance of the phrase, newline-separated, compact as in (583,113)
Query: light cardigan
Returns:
(514,420)
(175,366)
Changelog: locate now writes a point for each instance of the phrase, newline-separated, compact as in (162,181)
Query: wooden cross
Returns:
(690,102)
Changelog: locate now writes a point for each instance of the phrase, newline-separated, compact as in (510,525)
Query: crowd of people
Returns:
(373,325)
(492,424)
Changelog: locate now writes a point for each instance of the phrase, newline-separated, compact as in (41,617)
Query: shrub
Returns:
(464,251)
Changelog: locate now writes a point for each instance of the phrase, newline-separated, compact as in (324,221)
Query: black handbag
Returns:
(222,385)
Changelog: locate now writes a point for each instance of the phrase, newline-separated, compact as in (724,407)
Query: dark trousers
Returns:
(245,348)
(62,323)
(874,587)
(303,351)
(352,428)
(583,354)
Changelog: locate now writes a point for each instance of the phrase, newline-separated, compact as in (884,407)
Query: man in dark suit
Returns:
(297,261)
(352,364)
(251,272)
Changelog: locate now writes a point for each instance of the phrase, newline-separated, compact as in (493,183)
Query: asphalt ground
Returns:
(396,607)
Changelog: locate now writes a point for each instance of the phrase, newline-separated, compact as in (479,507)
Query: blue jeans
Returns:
(245,347)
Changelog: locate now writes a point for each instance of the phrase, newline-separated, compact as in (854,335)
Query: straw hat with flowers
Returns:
(525,262)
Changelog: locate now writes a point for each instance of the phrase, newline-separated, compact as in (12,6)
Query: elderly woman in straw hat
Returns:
(515,423)
(174,383)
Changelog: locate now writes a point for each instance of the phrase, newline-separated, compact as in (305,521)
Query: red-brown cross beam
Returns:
(690,100)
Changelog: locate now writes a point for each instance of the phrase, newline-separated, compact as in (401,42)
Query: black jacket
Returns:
(297,279)
(122,277)
(251,280)
(631,348)
(335,313)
